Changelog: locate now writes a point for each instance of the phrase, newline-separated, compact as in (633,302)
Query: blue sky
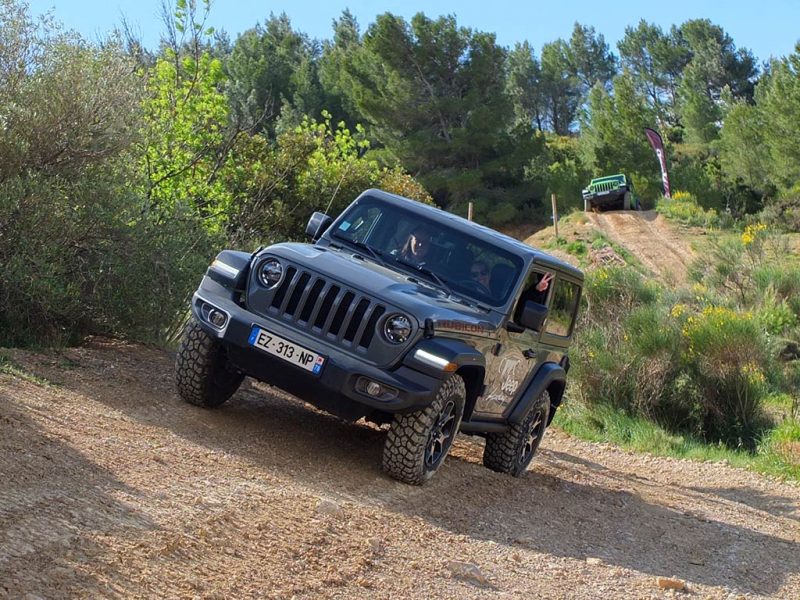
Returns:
(767,27)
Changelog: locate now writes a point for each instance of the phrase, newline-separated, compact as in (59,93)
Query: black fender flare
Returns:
(227,275)
(550,376)
(440,357)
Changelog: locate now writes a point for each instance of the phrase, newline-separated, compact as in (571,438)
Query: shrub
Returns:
(683,208)
(577,248)
(611,292)
(726,353)
(80,258)
(783,212)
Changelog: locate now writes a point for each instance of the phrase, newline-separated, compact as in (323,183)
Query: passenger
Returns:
(539,293)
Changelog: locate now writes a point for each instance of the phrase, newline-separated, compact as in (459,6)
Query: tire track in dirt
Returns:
(648,237)
(112,487)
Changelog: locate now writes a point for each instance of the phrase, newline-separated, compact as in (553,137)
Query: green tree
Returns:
(524,87)
(717,60)
(560,87)
(336,70)
(313,167)
(590,59)
(434,96)
(612,137)
(656,61)
(186,138)
(715,65)
(744,156)
(272,70)
(778,104)
(80,254)
(700,112)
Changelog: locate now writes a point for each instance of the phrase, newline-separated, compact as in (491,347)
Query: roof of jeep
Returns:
(471,228)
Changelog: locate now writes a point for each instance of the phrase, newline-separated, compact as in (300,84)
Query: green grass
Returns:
(606,424)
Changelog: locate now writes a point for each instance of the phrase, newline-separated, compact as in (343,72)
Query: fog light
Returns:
(217,318)
(374,389)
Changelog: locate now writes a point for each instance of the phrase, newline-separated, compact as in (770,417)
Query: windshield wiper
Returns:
(376,255)
(425,271)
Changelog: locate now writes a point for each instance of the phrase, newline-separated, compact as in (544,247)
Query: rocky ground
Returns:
(112,487)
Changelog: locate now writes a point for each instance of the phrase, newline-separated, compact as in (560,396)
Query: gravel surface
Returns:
(112,487)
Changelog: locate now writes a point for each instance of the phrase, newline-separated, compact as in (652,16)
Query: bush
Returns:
(79,258)
(726,353)
(783,212)
(683,208)
(611,292)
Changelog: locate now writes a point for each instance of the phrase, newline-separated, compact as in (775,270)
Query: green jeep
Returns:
(612,191)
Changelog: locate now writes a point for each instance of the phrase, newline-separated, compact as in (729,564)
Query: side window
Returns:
(563,308)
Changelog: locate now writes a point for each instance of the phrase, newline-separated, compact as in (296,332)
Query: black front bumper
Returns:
(612,197)
(334,389)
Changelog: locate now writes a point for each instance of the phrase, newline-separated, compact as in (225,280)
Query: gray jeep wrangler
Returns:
(355,327)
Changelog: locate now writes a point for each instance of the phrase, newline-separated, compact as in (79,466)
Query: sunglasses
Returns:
(479,273)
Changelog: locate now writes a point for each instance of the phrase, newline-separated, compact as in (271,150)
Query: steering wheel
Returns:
(476,286)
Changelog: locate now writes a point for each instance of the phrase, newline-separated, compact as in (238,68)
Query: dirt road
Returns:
(648,237)
(111,487)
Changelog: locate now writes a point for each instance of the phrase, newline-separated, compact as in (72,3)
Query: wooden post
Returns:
(469,211)
(555,214)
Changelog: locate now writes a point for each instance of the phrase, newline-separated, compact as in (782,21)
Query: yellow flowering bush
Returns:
(683,207)
(753,233)
(727,354)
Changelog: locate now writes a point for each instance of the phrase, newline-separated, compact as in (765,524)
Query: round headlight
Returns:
(270,272)
(397,329)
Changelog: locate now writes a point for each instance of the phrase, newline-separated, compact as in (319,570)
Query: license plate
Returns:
(288,351)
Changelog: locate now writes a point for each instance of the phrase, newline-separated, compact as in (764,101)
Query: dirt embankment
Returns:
(110,486)
(661,248)
(649,238)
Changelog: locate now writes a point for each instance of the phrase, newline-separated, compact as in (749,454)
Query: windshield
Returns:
(454,260)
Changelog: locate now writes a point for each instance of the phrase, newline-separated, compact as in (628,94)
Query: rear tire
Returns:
(203,375)
(512,451)
(418,442)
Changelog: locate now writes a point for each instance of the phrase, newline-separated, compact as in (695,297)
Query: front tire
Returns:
(418,442)
(512,451)
(203,375)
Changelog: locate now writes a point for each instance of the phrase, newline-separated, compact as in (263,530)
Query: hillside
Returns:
(113,487)
(662,249)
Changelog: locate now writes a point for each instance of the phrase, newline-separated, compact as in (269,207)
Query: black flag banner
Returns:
(658,145)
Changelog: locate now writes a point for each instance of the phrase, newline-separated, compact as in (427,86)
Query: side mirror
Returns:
(317,225)
(532,315)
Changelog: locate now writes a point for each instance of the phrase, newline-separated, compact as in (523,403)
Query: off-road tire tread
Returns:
(197,359)
(404,449)
(501,449)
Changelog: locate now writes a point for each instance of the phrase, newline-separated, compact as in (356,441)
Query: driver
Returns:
(417,245)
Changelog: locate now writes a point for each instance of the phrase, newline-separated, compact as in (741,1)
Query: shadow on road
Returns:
(564,506)
(56,507)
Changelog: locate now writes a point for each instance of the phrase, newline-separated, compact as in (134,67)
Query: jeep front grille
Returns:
(605,186)
(327,309)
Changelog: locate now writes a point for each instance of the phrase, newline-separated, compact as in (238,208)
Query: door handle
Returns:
(529,353)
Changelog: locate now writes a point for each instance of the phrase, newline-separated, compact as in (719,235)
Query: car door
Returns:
(513,358)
